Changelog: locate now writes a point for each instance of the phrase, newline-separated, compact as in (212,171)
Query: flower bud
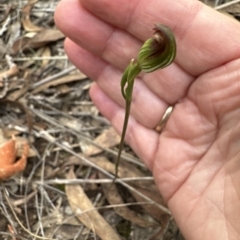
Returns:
(128,77)
(158,51)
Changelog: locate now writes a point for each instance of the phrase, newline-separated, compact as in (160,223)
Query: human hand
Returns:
(195,160)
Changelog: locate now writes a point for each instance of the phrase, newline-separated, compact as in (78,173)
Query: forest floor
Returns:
(44,105)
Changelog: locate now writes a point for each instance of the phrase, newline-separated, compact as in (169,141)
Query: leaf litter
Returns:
(64,191)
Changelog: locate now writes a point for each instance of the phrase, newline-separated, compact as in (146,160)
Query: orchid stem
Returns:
(156,53)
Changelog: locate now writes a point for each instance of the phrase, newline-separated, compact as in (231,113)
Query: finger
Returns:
(88,31)
(202,33)
(170,84)
(135,134)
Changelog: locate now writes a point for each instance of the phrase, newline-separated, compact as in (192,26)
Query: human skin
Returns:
(196,159)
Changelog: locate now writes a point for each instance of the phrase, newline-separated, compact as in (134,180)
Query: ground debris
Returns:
(72,147)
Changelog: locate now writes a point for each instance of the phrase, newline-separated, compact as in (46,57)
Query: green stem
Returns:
(127,113)
(127,83)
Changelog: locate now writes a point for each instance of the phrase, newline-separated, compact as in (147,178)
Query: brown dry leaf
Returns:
(7,9)
(15,30)
(59,81)
(114,198)
(26,21)
(63,89)
(107,139)
(9,132)
(13,70)
(40,39)
(72,123)
(80,203)
(19,91)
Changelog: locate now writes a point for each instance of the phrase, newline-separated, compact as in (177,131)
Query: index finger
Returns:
(206,38)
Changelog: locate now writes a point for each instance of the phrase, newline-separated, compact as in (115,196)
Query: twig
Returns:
(22,59)
(227,4)
(49,79)
(97,181)
(25,199)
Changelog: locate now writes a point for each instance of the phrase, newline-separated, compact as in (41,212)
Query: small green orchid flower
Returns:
(156,53)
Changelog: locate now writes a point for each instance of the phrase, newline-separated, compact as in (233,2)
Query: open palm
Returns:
(196,159)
